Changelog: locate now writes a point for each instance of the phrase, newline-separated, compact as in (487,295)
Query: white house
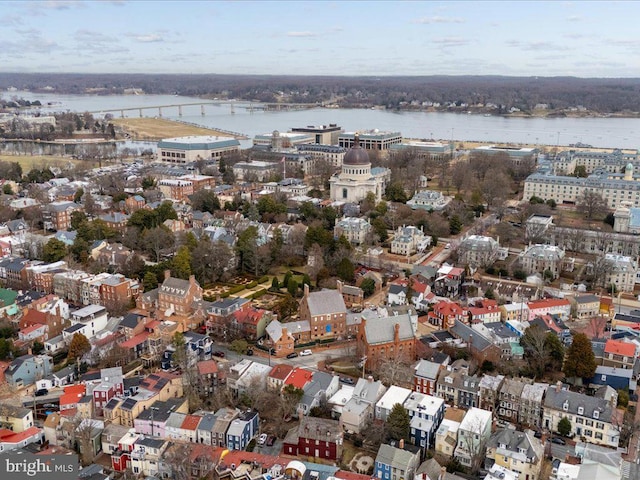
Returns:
(395,395)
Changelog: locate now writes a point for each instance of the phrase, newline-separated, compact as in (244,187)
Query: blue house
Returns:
(616,378)
(426,413)
(25,370)
(397,461)
(242,430)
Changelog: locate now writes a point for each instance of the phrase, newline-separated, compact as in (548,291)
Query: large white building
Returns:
(357,178)
(279,140)
(615,188)
(370,140)
(540,258)
(429,200)
(353,228)
(515,154)
(409,240)
(478,250)
(191,149)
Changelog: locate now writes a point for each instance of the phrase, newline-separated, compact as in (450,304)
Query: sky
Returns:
(378,38)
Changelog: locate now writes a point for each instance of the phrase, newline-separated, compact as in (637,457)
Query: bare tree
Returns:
(591,204)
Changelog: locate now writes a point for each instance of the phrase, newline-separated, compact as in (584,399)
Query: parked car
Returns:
(249,352)
(558,441)
(271,440)
(292,355)
(347,380)
(262,439)
(218,353)
(304,353)
(41,392)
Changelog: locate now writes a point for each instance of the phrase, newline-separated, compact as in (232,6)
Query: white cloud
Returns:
(146,38)
(438,19)
(575,18)
(450,41)
(537,46)
(302,34)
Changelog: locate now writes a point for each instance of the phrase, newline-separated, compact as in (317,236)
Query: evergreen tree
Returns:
(150,281)
(564,426)
(580,361)
(181,263)
(398,423)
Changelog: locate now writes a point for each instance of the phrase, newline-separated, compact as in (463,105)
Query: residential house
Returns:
(479,346)
(10,441)
(473,434)
(484,311)
(590,417)
(16,419)
(111,434)
(447,437)
(27,369)
(397,294)
(425,376)
(277,376)
(358,412)
(448,281)
(220,314)
(426,413)
(532,404)
(542,259)
(478,251)
(616,378)
(57,215)
(393,396)
(514,312)
(489,388)
(445,313)
(326,313)
(147,457)
(133,203)
(249,323)
(315,437)
(619,354)
(456,386)
(384,339)
(116,220)
(204,431)
(509,398)
(549,306)
(13,272)
(87,321)
(355,230)
(208,379)
(351,295)
(153,419)
(409,240)
(316,392)
(586,306)
(397,461)
(519,452)
(224,417)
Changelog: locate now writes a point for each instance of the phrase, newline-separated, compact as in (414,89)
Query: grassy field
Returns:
(159,128)
(27,162)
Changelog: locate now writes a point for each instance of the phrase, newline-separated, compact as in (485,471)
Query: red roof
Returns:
(136,340)
(448,308)
(34,317)
(620,348)
(29,329)
(280,371)
(13,437)
(72,394)
(346,475)
(419,287)
(250,316)
(548,303)
(190,422)
(299,377)
(207,366)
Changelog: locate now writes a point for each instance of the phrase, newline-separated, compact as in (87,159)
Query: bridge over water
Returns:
(251,106)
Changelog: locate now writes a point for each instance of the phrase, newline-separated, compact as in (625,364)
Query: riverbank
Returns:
(155,129)
(28,162)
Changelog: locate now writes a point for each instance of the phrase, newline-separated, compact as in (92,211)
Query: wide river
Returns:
(599,132)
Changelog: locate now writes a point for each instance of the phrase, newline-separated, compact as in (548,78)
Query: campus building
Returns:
(191,149)
(370,140)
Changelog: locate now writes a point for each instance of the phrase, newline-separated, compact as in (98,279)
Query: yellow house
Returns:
(519,452)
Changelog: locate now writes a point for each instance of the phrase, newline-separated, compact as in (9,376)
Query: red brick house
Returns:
(314,437)
(445,314)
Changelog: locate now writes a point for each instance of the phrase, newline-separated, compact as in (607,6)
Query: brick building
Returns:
(381,339)
(326,313)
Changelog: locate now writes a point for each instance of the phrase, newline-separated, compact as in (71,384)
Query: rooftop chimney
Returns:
(339,286)
(558,386)
(192,279)
(306,290)
(396,332)
(401,444)
(370,379)
(167,274)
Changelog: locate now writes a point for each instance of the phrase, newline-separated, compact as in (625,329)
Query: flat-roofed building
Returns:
(193,148)
(323,134)
(370,139)
(278,140)
(354,229)
(516,154)
(434,150)
(259,169)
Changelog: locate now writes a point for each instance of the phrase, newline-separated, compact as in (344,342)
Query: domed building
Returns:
(357,178)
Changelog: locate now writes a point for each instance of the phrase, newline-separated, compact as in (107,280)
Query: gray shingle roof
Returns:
(325,302)
(382,330)
(556,400)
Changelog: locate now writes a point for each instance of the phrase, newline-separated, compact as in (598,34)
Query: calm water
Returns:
(600,132)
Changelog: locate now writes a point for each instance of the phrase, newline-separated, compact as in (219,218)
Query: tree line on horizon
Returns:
(603,95)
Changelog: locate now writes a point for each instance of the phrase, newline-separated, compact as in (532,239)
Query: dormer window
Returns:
(580,410)
(565,405)
(596,414)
